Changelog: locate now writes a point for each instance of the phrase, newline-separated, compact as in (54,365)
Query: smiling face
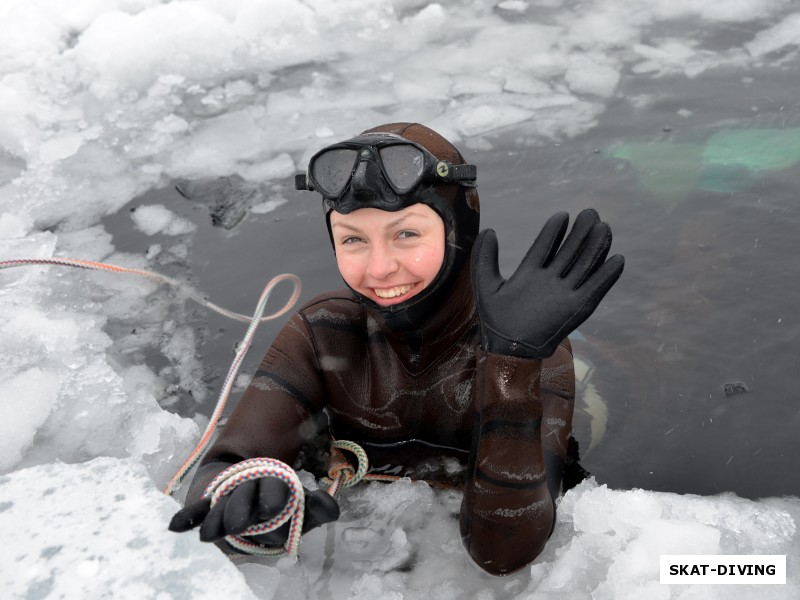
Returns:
(388,257)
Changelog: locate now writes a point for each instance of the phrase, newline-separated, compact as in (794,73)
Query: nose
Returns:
(382,261)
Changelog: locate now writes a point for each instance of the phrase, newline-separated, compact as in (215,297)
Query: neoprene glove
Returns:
(253,502)
(555,288)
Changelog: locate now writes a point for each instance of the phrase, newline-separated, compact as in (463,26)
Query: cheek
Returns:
(350,269)
(428,264)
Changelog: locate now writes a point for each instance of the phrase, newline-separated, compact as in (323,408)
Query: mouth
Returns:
(393,295)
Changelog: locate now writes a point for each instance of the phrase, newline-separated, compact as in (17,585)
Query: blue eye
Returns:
(407,234)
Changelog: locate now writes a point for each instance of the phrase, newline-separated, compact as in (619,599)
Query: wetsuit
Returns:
(411,398)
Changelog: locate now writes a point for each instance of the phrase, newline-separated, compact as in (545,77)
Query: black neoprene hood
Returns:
(456,203)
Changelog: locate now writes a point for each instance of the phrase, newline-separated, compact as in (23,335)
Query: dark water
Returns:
(704,206)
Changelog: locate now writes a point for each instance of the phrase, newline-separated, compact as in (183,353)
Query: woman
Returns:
(427,356)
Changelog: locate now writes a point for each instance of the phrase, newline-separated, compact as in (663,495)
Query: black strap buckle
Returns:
(301,182)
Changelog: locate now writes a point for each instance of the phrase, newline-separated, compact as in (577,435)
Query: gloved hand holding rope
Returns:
(262,500)
(259,498)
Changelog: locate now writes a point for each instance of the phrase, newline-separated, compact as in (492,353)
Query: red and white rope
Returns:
(294,511)
(231,377)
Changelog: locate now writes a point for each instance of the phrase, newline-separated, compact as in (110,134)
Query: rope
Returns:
(192,293)
(231,376)
(294,511)
(341,473)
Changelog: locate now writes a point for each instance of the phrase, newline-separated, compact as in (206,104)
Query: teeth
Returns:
(393,292)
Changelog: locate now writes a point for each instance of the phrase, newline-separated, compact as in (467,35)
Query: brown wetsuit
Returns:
(410,398)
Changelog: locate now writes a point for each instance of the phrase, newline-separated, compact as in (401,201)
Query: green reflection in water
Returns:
(726,162)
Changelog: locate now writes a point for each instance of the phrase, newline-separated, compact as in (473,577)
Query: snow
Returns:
(105,100)
(777,38)
(94,530)
(156,218)
(30,402)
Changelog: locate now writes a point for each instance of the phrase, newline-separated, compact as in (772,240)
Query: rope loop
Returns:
(341,473)
(294,511)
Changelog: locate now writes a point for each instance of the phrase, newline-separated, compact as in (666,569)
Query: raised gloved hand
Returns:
(555,288)
(253,502)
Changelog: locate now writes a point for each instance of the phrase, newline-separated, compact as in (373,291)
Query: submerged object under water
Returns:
(228,198)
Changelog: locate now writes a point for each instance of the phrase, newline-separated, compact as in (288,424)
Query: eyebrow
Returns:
(344,226)
(389,225)
(398,221)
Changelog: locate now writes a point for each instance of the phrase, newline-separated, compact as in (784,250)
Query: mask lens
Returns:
(332,170)
(402,165)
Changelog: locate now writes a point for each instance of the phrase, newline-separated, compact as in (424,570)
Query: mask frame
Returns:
(385,169)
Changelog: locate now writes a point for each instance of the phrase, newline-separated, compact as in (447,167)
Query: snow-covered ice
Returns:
(101,101)
(156,218)
(94,530)
(97,529)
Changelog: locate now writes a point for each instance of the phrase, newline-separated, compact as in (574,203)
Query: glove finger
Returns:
(597,286)
(607,274)
(571,249)
(241,510)
(190,516)
(273,495)
(277,537)
(592,254)
(321,508)
(212,527)
(544,247)
(486,277)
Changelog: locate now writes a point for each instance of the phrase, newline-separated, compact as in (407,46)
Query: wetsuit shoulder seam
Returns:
(312,337)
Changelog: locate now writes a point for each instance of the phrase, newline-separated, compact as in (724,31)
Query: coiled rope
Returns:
(294,511)
(341,473)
